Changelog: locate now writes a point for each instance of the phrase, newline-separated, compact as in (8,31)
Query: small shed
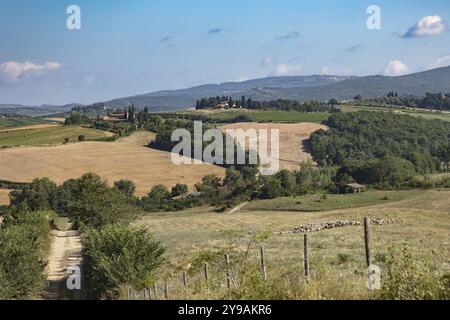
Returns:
(354,188)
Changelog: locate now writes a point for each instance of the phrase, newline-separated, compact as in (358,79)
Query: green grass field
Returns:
(317,202)
(270,116)
(336,256)
(12,123)
(48,136)
(415,113)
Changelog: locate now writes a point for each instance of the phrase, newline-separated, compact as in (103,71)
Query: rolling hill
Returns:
(301,88)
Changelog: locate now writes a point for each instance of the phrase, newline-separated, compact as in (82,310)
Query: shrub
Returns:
(408,279)
(127,187)
(119,255)
(81,138)
(24,241)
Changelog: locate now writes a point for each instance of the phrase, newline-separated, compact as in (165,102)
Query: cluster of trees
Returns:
(87,201)
(244,183)
(280,104)
(437,101)
(115,253)
(371,145)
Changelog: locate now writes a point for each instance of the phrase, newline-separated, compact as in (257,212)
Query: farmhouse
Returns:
(116,117)
(354,188)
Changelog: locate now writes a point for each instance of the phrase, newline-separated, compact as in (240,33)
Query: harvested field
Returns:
(32,127)
(292,139)
(124,159)
(4,197)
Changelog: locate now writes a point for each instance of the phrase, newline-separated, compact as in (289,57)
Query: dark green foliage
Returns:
(90,201)
(40,195)
(271,188)
(364,136)
(119,255)
(280,104)
(81,138)
(179,190)
(24,241)
(87,200)
(76,118)
(127,187)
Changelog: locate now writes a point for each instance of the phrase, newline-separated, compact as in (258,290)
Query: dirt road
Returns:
(65,252)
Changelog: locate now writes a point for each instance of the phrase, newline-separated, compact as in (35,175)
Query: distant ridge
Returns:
(301,88)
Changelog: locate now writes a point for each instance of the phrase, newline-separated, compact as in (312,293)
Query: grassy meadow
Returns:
(267,116)
(434,115)
(18,122)
(51,135)
(336,256)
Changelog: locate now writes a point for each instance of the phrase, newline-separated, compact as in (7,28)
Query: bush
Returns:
(408,279)
(24,241)
(81,138)
(127,187)
(119,255)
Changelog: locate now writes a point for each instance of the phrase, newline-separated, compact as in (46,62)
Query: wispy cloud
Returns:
(443,61)
(288,36)
(13,71)
(215,31)
(165,39)
(356,47)
(267,61)
(427,26)
(283,70)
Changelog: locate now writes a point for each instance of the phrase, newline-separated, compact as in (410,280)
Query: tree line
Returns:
(382,148)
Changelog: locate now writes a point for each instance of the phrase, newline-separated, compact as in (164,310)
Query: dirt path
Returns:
(65,252)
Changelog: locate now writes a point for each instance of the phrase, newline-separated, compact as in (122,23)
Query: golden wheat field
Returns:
(292,138)
(128,158)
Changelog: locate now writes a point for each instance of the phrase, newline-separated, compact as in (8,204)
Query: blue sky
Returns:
(139,46)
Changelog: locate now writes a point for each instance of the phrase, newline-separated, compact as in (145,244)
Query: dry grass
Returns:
(32,127)
(424,224)
(292,140)
(4,196)
(124,159)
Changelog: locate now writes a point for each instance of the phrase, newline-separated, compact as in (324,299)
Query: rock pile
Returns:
(315,227)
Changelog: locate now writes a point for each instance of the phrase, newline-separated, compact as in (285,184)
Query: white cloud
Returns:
(287,70)
(242,79)
(396,68)
(443,61)
(325,70)
(267,61)
(12,71)
(427,26)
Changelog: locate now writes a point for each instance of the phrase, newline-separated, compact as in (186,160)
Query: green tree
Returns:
(127,187)
(179,190)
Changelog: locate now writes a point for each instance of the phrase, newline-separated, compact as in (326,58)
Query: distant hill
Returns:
(185,98)
(301,88)
(34,111)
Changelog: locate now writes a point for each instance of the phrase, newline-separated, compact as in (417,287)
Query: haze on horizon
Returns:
(125,48)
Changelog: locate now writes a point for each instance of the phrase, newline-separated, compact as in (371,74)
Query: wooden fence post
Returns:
(227,263)
(185,280)
(166,290)
(128,293)
(306,257)
(263,264)
(155,291)
(367,241)
(206,273)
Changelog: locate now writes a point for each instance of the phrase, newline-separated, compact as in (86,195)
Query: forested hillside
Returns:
(357,141)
